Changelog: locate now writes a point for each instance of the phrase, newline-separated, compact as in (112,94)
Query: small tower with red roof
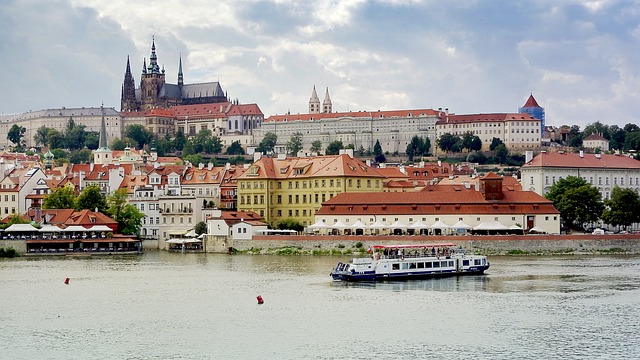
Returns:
(532,108)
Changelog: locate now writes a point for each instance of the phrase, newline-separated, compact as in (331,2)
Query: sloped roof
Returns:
(354,114)
(593,161)
(531,102)
(491,117)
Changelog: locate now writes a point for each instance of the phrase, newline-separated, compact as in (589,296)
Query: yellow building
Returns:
(295,188)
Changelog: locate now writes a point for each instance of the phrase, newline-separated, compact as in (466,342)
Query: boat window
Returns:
(395,266)
(412,265)
(405,266)
(420,265)
(427,265)
(476,262)
(465,262)
(451,263)
(436,264)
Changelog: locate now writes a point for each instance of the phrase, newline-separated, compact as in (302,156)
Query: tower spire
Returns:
(153,59)
(102,142)
(180,75)
(314,102)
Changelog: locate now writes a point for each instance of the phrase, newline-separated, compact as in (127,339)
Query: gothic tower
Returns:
(314,102)
(326,104)
(180,75)
(128,97)
(151,83)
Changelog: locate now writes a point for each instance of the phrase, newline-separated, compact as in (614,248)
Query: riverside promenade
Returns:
(484,244)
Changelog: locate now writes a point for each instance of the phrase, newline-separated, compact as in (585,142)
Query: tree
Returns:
(295,144)
(194,159)
(42,136)
(55,139)
(61,198)
(139,134)
(117,144)
(200,228)
(290,224)
(622,208)
(179,141)
(380,158)
(377,148)
(449,143)
(74,135)
(92,141)
(268,143)
(502,153)
(334,148)
(494,143)
(82,156)
(577,201)
(129,218)
(91,198)
(188,149)
(235,149)
(15,134)
(316,146)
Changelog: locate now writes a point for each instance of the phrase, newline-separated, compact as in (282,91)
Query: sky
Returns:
(579,59)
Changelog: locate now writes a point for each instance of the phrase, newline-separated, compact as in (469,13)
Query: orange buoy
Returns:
(260,300)
(66,281)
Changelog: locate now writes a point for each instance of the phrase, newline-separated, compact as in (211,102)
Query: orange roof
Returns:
(161,112)
(195,175)
(593,161)
(494,117)
(531,102)
(392,173)
(307,167)
(595,137)
(442,200)
(355,114)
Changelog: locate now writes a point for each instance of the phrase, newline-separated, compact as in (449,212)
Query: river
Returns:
(196,306)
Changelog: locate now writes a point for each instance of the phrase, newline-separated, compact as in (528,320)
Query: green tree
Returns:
(61,198)
(622,208)
(139,134)
(377,148)
(316,146)
(200,228)
(577,201)
(380,158)
(188,148)
(92,140)
(194,159)
(334,147)
(179,141)
(91,198)
(295,144)
(268,143)
(129,218)
(74,135)
(289,224)
(502,153)
(117,144)
(55,139)
(449,143)
(81,156)
(42,136)
(235,149)
(494,143)
(15,134)
(59,154)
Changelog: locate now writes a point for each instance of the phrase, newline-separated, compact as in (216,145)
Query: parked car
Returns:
(598,231)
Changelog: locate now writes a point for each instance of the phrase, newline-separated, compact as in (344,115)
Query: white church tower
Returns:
(103,155)
(326,105)
(314,102)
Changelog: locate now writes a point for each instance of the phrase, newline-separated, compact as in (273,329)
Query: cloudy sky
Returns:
(580,59)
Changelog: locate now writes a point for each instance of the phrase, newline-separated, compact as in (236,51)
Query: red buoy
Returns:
(66,281)
(260,300)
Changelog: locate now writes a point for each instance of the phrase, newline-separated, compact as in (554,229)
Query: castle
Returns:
(154,92)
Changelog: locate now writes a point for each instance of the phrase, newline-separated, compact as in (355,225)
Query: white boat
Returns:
(415,261)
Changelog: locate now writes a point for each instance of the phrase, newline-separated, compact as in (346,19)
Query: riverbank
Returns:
(481,244)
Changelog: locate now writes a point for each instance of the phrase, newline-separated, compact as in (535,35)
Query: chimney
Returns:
(200,166)
(227,166)
(581,153)
(209,166)
(528,156)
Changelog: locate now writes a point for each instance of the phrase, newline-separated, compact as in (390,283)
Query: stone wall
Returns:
(495,245)
(19,246)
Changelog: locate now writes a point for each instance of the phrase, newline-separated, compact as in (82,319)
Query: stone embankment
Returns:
(488,245)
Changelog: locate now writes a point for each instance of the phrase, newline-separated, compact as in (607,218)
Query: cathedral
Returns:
(154,92)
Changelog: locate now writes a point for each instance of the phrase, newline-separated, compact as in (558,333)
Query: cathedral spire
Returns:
(180,75)
(326,104)
(153,59)
(128,97)
(144,66)
(102,142)
(314,102)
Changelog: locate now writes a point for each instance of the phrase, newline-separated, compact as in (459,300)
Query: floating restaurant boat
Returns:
(415,261)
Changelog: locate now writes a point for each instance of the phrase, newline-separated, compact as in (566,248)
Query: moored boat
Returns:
(414,261)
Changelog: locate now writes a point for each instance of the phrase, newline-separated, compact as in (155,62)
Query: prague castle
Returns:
(154,92)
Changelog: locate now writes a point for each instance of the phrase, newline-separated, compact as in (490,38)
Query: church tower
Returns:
(314,102)
(102,155)
(326,104)
(180,75)
(151,83)
(128,97)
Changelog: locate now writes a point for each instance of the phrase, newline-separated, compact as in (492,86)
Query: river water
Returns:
(195,306)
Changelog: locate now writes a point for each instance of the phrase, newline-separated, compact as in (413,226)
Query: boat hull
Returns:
(372,276)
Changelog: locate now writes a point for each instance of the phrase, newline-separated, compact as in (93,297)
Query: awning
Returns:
(21,227)
(75,228)
(377,225)
(183,241)
(358,225)
(338,225)
(99,228)
(398,225)
(49,228)
(418,225)
(439,225)
(492,225)
(460,225)
(536,229)
(108,240)
(177,232)
(318,225)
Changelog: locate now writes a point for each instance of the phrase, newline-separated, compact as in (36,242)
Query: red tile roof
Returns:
(494,117)
(594,161)
(354,114)
(531,102)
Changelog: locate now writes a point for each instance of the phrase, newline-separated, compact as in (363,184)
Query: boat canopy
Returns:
(413,246)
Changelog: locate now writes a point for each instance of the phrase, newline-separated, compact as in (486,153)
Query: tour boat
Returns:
(415,261)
